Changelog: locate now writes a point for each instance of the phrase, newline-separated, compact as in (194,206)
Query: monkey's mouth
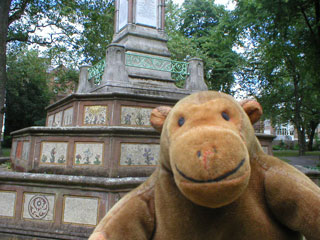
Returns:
(217,179)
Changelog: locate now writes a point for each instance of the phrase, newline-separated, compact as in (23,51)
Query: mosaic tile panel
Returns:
(68,117)
(54,153)
(139,154)
(25,150)
(135,116)
(88,153)
(19,149)
(38,206)
(95,115)
(57,119)
(80,210)
(14,149)
(50,120)
(7,203)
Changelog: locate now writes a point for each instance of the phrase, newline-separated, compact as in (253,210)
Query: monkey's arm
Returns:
(294,199)
(131,218)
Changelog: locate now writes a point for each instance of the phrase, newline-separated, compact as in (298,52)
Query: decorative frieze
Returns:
(137,154)
(95,115)
(68,117)
(88,153)
(53,153)
(7,203)
(80,210)
(135,116)
(38,206)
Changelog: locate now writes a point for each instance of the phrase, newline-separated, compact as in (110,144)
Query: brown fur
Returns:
(214,182)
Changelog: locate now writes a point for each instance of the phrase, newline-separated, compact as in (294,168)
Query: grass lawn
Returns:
(293,153)
(6,152)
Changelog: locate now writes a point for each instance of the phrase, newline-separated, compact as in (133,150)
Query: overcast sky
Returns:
(228,3)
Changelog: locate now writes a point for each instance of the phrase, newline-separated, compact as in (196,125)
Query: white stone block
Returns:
(81,210)
(7,203)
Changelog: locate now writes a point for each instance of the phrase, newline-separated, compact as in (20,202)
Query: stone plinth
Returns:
(107,134)
(56,206)
(266,142)
(96,151)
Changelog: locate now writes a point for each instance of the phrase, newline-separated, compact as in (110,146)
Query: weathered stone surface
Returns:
(195,80)
(115,70)
(7,203)
(80,210)
(84,85)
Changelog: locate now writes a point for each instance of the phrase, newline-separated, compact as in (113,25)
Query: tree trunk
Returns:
(297,116)
(313,127)
(4,16)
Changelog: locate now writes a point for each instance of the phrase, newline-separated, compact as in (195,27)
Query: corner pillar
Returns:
(195,80)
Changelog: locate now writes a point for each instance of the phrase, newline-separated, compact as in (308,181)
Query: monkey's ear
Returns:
(253,109)
(158,116)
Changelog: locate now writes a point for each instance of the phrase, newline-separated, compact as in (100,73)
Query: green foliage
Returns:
(282,41)
(27,92)
(202,29)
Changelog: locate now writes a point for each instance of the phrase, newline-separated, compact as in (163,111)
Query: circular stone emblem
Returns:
(38,207)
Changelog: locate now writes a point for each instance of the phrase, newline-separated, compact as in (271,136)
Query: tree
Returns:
(4,12)
(27,90)
(69,25)
(202,29)
(282,47)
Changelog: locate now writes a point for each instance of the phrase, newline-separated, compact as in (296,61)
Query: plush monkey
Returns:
(214,182)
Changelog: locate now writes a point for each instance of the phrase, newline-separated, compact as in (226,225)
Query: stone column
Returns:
(115,69)
(195,80)
(84,85)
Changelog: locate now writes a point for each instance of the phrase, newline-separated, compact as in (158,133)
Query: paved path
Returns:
(310,161)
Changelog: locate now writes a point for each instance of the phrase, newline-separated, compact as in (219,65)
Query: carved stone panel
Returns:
(68,117)
(54,153)
(88,153)
(146,12)
(80,210)
(38,206)
(7,203)
(137,154)
(95,115)
(135,116)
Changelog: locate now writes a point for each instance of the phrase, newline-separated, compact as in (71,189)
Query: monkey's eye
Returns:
(181,121)
(225,116)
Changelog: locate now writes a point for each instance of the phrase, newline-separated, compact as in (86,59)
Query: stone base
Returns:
(43,206)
